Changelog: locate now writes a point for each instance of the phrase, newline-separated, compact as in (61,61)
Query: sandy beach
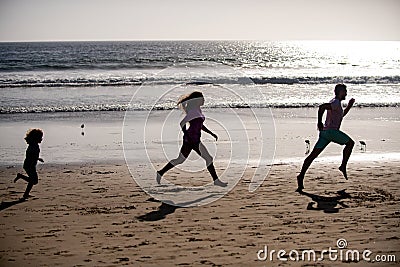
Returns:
(89,211)
(95,215)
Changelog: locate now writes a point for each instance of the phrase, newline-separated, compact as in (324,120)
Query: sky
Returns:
(68,20)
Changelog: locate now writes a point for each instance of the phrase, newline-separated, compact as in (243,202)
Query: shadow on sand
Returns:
(167,207)
(327,204)
(6,204)
(158,214)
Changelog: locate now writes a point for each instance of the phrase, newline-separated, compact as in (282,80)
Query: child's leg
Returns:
(27,190)
(23,177)
(33,180)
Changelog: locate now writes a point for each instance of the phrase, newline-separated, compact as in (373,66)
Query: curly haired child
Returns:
(33,138)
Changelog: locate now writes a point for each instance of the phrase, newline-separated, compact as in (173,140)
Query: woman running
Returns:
(191,136)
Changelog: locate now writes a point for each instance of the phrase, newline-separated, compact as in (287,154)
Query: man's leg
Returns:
(346,155)
(307,162)
(341,138)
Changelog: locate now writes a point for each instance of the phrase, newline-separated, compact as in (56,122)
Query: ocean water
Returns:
(103,76)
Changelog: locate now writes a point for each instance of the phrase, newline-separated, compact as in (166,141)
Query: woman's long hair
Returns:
(190,101)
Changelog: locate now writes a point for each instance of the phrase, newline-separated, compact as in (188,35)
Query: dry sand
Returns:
(95,215)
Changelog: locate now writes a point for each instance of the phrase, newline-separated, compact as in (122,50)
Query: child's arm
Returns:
(204,128)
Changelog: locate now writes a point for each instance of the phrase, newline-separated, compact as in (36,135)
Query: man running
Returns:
(330,132)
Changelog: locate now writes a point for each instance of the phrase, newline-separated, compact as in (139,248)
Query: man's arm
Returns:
(321,110)
(204,128)
(349,106)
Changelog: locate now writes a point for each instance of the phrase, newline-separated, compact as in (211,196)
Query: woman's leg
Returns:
(203,152)
(183,154)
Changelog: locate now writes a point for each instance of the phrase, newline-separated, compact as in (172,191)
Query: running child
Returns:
(33,138)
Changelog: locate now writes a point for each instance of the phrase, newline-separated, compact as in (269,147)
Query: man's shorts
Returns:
(331,135)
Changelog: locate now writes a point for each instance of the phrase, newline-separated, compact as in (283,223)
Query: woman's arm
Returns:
(204,128)
(183,124)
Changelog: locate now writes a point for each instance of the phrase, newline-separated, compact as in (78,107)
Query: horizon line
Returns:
(193,40)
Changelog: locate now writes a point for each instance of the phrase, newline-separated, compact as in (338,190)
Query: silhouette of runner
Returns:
(191,136)
(33,138)
(330,132)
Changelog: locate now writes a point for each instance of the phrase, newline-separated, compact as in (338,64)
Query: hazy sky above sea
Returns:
(50,20)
